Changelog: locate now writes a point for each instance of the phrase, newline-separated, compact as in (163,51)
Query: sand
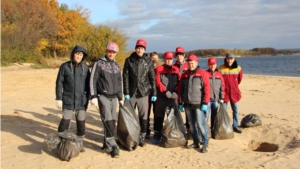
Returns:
(29,113)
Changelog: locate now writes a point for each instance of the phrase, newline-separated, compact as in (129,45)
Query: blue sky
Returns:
(199,24)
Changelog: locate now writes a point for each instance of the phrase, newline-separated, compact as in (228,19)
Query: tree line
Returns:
(34,30)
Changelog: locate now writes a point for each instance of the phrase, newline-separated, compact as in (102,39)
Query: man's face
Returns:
(140,51)
(111,54)
(229,61)
(169,62)
(212,67)
(192,64)
(78,56)
(154,59)
(180,58)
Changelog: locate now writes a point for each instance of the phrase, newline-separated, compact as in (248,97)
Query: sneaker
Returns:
(141,141)
(237,130)
(114,152)
(204,149)
(155,140)
(193,146)
(147,136)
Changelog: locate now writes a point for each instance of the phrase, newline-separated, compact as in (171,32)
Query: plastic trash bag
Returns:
(223,126)
(69,147)
(251,120)
(51,141)
(173,132)
(128,128)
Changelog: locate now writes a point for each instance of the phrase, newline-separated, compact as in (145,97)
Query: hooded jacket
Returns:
(72,82)
(232,76)
(106,79)
(139,76)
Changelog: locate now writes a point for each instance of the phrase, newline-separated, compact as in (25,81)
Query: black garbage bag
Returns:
(69,147)
(223,127)
(251,120)
(128,128)
(173,132)
(51,141)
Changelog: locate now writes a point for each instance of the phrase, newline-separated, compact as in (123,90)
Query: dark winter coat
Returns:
(106,79)
(139,76)
(72,83)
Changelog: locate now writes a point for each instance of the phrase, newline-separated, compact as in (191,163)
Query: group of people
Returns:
(198,92)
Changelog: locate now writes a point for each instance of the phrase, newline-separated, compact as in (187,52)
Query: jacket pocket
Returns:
(67,99)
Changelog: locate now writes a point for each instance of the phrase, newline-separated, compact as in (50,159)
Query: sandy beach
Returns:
(29,113)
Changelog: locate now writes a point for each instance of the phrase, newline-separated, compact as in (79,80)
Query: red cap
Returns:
(212,61)
(112,46)
(179,49)
(168,55)
(141,42)
(192,57)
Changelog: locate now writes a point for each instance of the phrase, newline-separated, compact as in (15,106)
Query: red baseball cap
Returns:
(168,55)
(212,61)
(192,57)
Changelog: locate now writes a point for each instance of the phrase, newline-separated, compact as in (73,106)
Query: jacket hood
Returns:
(78,48)
(105,58)
(233,66)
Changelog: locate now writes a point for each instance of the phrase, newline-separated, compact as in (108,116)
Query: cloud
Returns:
(197,24)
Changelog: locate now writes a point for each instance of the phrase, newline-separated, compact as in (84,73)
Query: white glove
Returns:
(174,96)
(59,104)
(121,103)
(94,102)
(169,94)
(221,101)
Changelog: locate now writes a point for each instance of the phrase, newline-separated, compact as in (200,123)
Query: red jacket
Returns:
(182,67)
(195,91)
(167,79)
(232,78)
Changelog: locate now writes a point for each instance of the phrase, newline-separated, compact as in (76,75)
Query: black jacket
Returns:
(72,83)
(139,76)
(106,79)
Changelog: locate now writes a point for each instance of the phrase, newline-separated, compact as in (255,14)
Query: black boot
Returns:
(114,152)
(142,141)
(237,130)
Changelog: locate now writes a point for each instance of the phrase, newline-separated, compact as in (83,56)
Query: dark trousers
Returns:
(148,117)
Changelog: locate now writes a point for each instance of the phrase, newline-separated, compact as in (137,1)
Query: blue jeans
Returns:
(235,113)
(196,120)
(212,110)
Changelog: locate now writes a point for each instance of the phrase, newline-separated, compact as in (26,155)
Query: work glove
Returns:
(169,94)
(59,104)
(221,101)
(127,97)
(203,108)
(180,108)
(94,102)
(121,102)
(174,96)
(153,98)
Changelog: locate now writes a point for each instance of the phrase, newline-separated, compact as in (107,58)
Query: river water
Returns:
(288,65)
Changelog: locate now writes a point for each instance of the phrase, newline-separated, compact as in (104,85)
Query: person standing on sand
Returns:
(139,83)
(182,66)
(195,95)
(106,89)
(154,58)
(72,92)
(167,81)
(216,90)
(232,74)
